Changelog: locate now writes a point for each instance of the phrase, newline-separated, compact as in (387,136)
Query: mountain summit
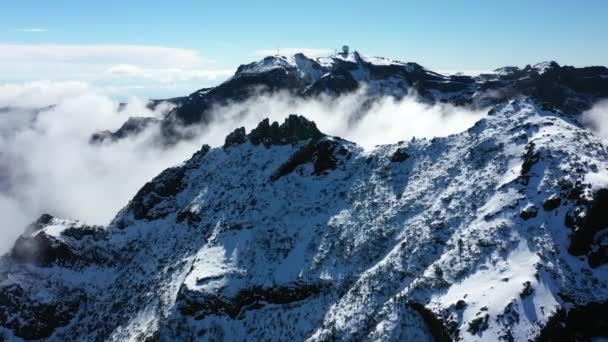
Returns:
(285,233)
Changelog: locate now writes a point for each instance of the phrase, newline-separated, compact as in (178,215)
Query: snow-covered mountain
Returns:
(285,233)
(562,87)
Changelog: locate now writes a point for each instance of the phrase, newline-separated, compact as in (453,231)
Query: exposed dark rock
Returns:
(79,233)
(336,83)
(552,203)
(42,250)
(460,305)
(295,128)
(581,323)
(133,126)
(43,318)
(167,184)
(509,317)
(319,153)
(530,158)
(586,228)
(40,223)
(189,216)
(176,101)
(528,212)
(479,324)
(237,137)
(400,155)
(527,291)
(199,304)
(46,250)
(437,326)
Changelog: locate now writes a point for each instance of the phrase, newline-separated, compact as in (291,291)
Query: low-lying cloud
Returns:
(386,120)
(48,165)
(127,69)
(596,119)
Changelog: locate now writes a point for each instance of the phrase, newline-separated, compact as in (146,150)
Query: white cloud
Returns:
(144,55)
(38,94)
(112,66)
(47,164)
(387,121)
(32,30)
(292,51)
(596,119)
(166,75)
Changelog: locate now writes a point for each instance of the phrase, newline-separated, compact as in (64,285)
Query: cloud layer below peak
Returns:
(145,70)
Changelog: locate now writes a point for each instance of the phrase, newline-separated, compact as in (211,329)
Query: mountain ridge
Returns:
(480,235)
(560,87)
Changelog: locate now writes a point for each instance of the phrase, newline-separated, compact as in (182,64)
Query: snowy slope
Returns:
(286,233)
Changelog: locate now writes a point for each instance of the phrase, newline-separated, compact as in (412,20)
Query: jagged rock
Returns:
(530,158)
(460,304)
(479,324)
(321,154)
(527,291)
(199,305)
(41,249)
(295,128)
(530,211)
(400,155)
(585,228)
(133,126)
(169,183)
(237,137)
(552,203)
(42,317)
(580,323)
(40,223)
(438,328)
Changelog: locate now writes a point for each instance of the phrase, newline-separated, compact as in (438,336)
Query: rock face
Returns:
(288,234)
(565,88)
(133,126)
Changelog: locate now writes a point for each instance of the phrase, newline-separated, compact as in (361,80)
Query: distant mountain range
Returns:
(560,87)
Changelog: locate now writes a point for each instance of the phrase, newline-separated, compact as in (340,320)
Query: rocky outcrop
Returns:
(42,318)
(198,304)
(295,128)
(580,323)
(323,155)
(237,137)
(586,238)
(133,126)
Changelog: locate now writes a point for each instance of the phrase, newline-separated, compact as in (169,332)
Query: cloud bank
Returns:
(596,119)
(153,56)
(47,164)
(387,120)
(129,69)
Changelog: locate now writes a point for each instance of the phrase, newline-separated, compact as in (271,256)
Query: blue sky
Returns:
(98,41)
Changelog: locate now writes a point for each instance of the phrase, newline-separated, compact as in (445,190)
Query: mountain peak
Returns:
(295,128)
